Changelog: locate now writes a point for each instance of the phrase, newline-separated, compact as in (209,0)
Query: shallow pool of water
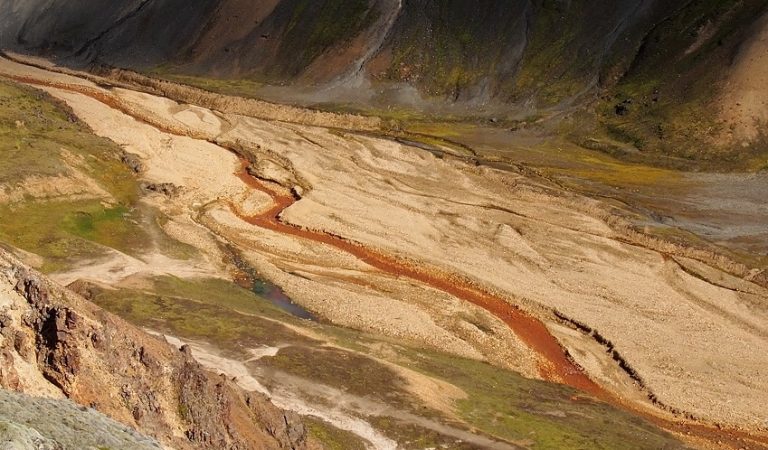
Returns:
(277,297)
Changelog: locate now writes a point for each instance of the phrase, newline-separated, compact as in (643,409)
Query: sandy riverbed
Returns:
(698,345)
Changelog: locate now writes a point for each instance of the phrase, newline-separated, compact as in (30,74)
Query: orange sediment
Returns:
(554,364)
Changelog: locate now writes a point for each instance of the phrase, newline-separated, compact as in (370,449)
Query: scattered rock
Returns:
(167,189)
(133,161)
(5,321)
(30,423)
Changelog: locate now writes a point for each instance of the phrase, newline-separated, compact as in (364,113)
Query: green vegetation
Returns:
(548,415)
(36,129)
(228,316)
(213,310)
(65,231)
(414,437)
(356,374)
(237,87)
(332,437)
(41,138)
(594,166)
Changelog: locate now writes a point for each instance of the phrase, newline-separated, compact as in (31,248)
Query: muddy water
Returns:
(277,297)
(248,278)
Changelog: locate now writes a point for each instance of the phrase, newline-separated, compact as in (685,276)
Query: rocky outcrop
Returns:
(55,343)
(166,189)
(133,161)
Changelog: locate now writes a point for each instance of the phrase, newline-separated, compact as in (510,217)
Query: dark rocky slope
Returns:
(649,72)
(510,49)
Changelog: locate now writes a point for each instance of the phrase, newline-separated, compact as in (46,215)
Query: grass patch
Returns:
(35,128)
(413,437)
(213,310)
(351,372)
(551,416)
(230,317)
(217,292)
(236,87)
(331,437)
(64,232)
(36,132)
(40,137)
(615,173)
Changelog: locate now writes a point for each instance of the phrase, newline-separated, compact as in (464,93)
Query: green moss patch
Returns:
(331,437)
(550,416)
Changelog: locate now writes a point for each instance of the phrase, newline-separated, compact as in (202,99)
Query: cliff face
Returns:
(55,344)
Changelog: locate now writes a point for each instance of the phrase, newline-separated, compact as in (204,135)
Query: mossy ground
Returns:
(675,111)
(550,416)
(236,87)
(332,437)
(35,132)
(65,232)
(414,437)
(211,310)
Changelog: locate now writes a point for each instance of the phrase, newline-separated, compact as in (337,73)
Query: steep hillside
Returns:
(660,69)
(55,344)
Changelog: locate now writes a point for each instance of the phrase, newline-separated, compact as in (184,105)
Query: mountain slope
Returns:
(661,70)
